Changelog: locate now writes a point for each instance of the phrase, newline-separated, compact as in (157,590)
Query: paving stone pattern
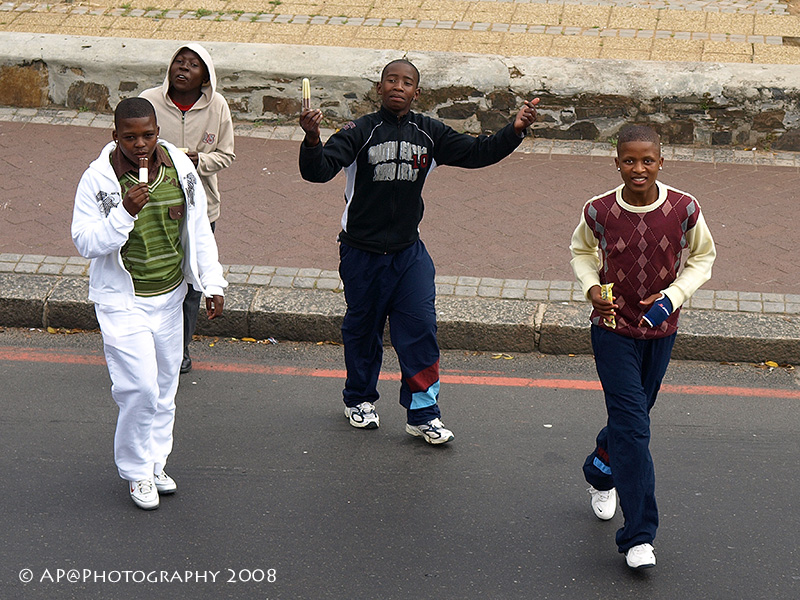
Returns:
(507,226)
(498,232)
(679,30)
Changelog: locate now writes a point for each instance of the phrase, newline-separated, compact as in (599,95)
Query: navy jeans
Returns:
(631,372)
(399,287)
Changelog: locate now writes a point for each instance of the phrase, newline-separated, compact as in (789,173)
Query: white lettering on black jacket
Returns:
(386,161)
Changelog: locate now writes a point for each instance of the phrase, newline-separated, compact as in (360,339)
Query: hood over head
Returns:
(208,89)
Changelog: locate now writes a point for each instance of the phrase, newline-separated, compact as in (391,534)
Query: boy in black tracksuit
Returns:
(384,266)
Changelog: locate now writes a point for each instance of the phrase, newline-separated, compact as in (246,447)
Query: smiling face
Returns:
(187,73)
(137,137)
(638,163)
(398,87)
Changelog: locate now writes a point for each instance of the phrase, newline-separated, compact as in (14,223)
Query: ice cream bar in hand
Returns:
(306,94)
(143,170)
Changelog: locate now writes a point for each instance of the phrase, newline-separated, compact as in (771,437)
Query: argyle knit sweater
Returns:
(639,249)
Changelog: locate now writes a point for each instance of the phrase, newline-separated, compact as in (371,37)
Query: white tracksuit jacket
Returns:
(101,225)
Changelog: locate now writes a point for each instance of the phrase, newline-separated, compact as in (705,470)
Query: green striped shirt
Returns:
(153,253)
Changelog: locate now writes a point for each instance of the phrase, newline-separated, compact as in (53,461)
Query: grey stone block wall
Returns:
(711,104)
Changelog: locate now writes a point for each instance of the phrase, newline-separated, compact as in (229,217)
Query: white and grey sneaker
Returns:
(433,432)
(144,493)
(640,557)
(604,503)
(362,416)
(165,484)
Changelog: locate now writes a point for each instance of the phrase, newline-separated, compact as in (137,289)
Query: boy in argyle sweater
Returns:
(633,237)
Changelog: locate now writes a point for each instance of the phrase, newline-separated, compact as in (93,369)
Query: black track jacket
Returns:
(386,160)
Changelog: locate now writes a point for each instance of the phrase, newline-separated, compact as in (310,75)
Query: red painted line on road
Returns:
(65,357)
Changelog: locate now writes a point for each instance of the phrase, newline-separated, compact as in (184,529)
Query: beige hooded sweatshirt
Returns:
(206,128)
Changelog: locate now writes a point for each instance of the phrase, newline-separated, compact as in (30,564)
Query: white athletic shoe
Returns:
(604,503)
(641,557)
(165,484)
(362,416)
(433,432)
(144,493)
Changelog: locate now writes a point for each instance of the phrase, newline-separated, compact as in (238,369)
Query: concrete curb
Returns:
(488,324)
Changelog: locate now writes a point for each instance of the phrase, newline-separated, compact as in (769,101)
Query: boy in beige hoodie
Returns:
(193,115)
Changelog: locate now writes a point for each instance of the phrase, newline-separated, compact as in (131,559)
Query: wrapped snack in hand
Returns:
(606,294)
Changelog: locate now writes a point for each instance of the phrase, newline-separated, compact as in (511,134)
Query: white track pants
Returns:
(143,348)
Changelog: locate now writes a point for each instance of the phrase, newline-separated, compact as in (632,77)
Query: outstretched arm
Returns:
(466,151)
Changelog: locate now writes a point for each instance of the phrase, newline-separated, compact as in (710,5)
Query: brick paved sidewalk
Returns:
(680,30)
(492,232)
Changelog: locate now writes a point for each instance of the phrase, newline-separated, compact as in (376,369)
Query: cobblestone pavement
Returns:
(671,30)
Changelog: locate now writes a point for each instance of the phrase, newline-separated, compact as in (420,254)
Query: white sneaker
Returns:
(604,503)
(362,416)
(144,493)
(433,432)
(641,557)
(165,484)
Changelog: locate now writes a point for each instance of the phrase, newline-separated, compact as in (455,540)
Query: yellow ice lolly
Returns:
(143,177)
(605,294)
(306,94)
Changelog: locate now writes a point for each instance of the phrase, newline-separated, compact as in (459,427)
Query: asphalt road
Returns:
(278,497)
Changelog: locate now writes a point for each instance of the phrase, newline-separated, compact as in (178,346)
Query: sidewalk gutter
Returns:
(482,324)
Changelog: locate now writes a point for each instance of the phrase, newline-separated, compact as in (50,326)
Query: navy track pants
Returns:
(631,372)
(399,287)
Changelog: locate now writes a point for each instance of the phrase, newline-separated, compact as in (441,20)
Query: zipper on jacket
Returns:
(183,130)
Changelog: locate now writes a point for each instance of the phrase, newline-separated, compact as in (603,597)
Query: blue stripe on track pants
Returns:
(399,287)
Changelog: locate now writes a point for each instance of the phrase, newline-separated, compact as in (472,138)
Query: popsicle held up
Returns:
(306,94)
(143,176)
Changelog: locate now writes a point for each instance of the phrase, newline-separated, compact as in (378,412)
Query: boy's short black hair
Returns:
(133,108)
(405,61)
(638,133)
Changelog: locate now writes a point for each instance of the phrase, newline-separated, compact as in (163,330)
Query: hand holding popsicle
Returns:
(310,119)
(136,197)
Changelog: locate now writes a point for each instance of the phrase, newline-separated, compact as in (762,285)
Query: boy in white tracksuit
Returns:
(123,225)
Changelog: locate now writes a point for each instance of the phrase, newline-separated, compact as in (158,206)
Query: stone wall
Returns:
(708,104)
